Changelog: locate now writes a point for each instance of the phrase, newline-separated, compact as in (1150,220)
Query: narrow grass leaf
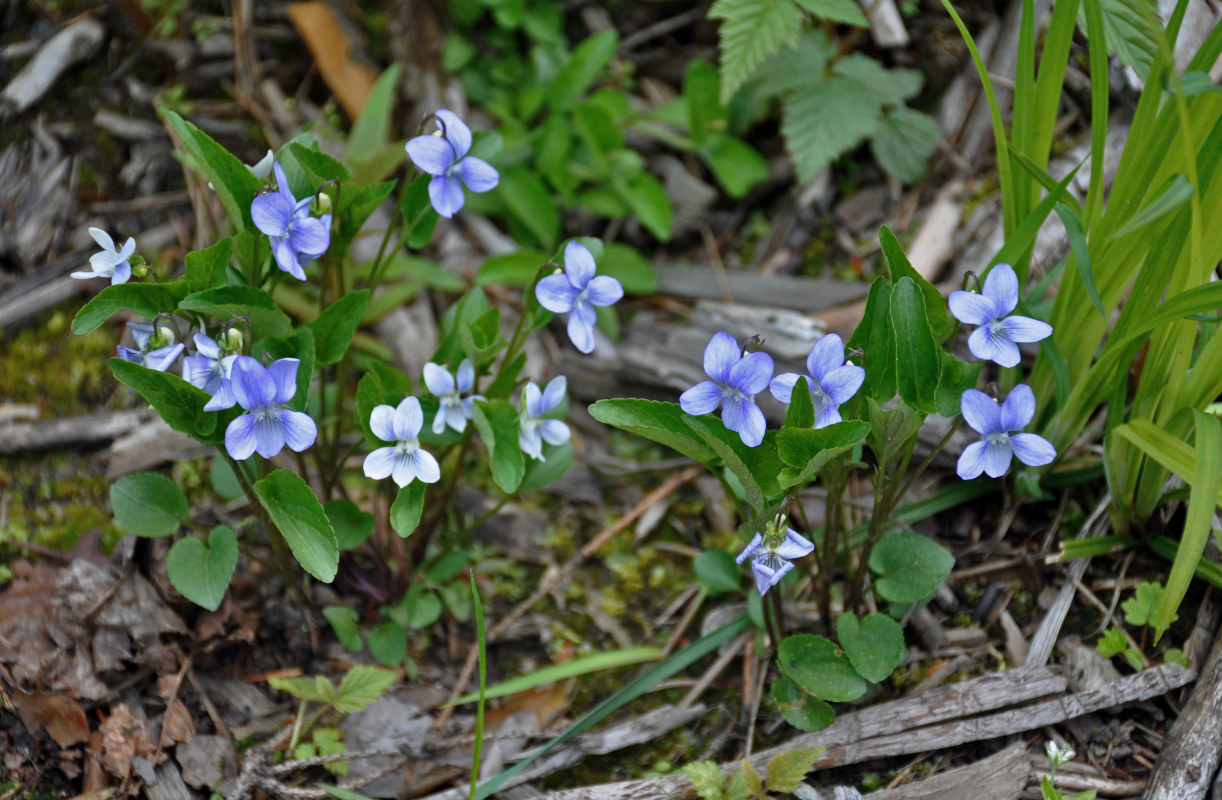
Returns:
(678,662)
(1177,192)
(559,672)
(1081,254)
(482,695)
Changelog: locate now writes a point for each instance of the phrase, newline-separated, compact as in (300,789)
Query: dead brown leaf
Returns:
(176,724)
(59,715)
(350,80)
(123,738)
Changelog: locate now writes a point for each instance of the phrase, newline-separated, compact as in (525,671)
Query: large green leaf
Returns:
(587,62)
(179,403)
(235,185)
(296,512)
(898,265)
(148,504)
(531,204)
(910,567)
(801,709)
(497,422)
(405,512)
(146,299)
(266,319)
(904,142)
(335,326)
(807,450)
(845,11)
(371,129)
(819,667)
(201,570)
(657,421)
(873,340)
(918,362)
(757,468)
(206,268)
(751,31)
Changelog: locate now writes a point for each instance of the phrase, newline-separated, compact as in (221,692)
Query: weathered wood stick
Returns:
(99,428)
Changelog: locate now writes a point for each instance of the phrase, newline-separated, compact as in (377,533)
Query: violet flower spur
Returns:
(744,376)
(266,427)
(444,156)
(455,409)
(111,262)
(163,353)
(992,454)
(577,291)
(831,381)
(998,336)
(405,461)
(210,369)
(533,429)
(295,235)
(773,555)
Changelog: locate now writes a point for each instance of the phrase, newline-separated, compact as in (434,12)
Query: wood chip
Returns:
(74,44)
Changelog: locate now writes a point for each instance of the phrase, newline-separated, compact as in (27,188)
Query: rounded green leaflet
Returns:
(874,645)
(294,508)
(351,525)
(801,710)
(388,643)
(819,667)
(717,572)
(148,504)
(910,567)
(201,572)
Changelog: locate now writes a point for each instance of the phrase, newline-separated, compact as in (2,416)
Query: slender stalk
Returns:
(929,459)
(482,644)
(774,618)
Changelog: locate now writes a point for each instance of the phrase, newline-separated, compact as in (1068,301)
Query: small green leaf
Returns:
(539,473)
(874,645)
(702,88)
(628,266)
(352,526)
(587,62)
(891,429)
(517,269)
(873,340)
(787,769)
(1081,252)
(334,328)
(956,378)
(1112,643)
(296,512)
(910,567)
(319,167)
(829,117)
(800,414)
(266,319)
(371,129)
(344,622)
(362,685)
(845,11)
(647,197)
(531,203)
(388,643)
(801,710)
(737,165)
(145,299)
(447,567)
(314,690)
(917,360)
(707,779)
(408,506)
(808,450)
(717,572)
(206,268)
(657,421)
(419,216)
(497,422)
(751,779)
(201,572)
(1141,607)
(148,504)
(819,667)
(422,608)
(235,185)
(223,481)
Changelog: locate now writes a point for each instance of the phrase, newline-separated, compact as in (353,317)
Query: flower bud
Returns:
(323,201)
(233,340)
(140,270)
(164,336)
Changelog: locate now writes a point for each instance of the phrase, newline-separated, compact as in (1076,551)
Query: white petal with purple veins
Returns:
(240,437)
(581,333)
(702,398)
(1018,409)
(794,545)
(752,373)
(478,175)
(971,308)
(843,382)
(578,264)
(981,412)
(283,373)
(971,461)
(1001,286)
(782,386)
(997,456)
(1032,450)
(382,423)
(989,343)
(455,131)
(826,355)
(300,431)
(553,395)
(1026,329)
(380,463)
(432,154)
(603,290)
(427,469)
(269,434)
(409,419)
(554,431)
(438,380)
(445,193)
(555,293)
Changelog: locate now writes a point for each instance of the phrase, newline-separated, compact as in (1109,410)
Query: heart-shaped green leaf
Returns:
(201,572)
(820,668)
(874,645)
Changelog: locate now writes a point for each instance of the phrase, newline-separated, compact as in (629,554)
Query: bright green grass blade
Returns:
(1008,208)
(1178,192)
(1098,108)
(1050,84)
(481,695)
(1081,254)
(1199,522)
(559,672)
(678,662)
(1168,548)
(1167,450)
(1020,239)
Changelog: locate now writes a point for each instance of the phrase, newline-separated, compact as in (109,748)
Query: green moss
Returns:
(51,499)
(63,374)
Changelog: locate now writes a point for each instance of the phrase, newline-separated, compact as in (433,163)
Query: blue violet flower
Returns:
(296,236)
(210,369)
(533,428)
(444,156)
(266,427)
(998,336)
(155,349)
(405,461)
(773,553)
(744,375)
(992,454)
(831,381)
(577,291)
(111,262)
(455,409)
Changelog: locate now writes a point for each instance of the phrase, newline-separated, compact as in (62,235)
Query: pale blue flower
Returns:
(111,262)
(997,337)
(992,454)
(773,554)
(296,237)
(831,381)
(533,428)
(159,358)
(743,376)
(210,370)
(445,158)
(455,409)
(266,427)
(577,291)
(406,460)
